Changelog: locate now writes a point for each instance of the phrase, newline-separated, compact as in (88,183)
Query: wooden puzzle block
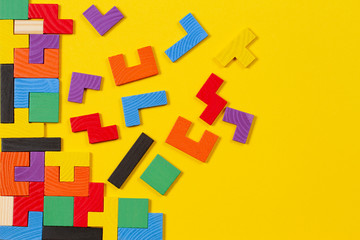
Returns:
(30,144)
(67,161)
(195,34)
(215,103)
(58,211)
(8,186)
(38,43)
(25,86)
(36,170)
(108,219)
(24,69)
(131,159)
(44,107)
(103,23)
(93,203)
(50,14)
(32,232)
(78,188)
(6,210)
(29,27)
(7,93)
(22,127)
(80,82)
(160,174)
(91,123)
(14,9)
(237,49)
(76,233)
(154,230)
(9,41)
(133,213)
(199,150)
(23,205)
(132,105)
(242,121)
(123,74)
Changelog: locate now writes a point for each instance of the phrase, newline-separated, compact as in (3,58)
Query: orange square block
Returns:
(24,69)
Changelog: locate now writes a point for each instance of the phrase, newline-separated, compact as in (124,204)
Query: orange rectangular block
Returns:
(24,69)
(8,161)
(78,188)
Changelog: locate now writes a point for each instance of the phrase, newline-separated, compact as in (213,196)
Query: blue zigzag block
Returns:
(132,104)
(195,34)
(32,232)
(153,232)
(24,86)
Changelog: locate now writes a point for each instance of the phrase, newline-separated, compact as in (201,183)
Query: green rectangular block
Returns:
(133,213)
(44,107)
(14,9)
(58,211)
(160,174)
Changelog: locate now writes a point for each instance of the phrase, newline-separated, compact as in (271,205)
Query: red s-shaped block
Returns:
(207,94)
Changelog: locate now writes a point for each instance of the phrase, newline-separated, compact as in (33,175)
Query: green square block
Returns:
(133,213)
(14,9)
(160,174)
(58,211)
(44,107)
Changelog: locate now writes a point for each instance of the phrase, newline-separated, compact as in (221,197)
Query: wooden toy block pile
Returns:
(46,193)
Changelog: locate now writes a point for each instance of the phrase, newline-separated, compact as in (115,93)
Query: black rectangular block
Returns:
(131,159)
(30,144)
(71,233)
(7,93)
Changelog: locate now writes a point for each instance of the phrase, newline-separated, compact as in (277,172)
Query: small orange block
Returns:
(8,161)
(78,188)
(123,74)
(24,69)
(199,150)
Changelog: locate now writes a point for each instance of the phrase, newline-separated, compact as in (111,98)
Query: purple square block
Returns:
(38,42)
(80,81)
(242,121)
(33,173)
(102,23)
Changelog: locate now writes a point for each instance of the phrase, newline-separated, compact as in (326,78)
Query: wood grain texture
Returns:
(71,233)
(242,121)
(7,93)
(123,74)
(80,82)
(8,161)
(83,123)
(35,172)
(78,188)
(28,26)
(30,144)
(40,42)
(199,150)
(6,210)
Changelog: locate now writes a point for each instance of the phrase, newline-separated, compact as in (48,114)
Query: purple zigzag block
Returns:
(102,23)
(33,173)
(80,81)
(242,121)
(38,42)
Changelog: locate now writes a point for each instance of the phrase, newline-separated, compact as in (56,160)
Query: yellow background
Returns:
(298,176)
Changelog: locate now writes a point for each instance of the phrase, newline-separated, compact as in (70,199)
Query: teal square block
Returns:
(44,107)
(14,9)
(133,213)
(59,211)
(160,174)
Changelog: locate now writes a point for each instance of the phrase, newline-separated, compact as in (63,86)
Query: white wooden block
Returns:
(6,211)
(28,26)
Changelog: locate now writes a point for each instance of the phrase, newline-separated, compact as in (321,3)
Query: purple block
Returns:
(242,121)
(80,81)
(102,23)
(38,42)
(33,173)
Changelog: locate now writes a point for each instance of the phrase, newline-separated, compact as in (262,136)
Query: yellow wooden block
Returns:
(237,49)
(6,211)
(67,161)
(108,219)
(29,27)
(9,41)
(21,127)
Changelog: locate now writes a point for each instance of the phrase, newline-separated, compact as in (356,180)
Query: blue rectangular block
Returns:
(132,104)
(32,232)
(153,232)
(24,86)
(195,34)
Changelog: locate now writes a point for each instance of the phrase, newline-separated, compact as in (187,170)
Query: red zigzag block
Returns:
(207,94)
(92,124)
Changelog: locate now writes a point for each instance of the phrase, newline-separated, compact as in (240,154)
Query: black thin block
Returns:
(30,144)
(7,93)
(71,233)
